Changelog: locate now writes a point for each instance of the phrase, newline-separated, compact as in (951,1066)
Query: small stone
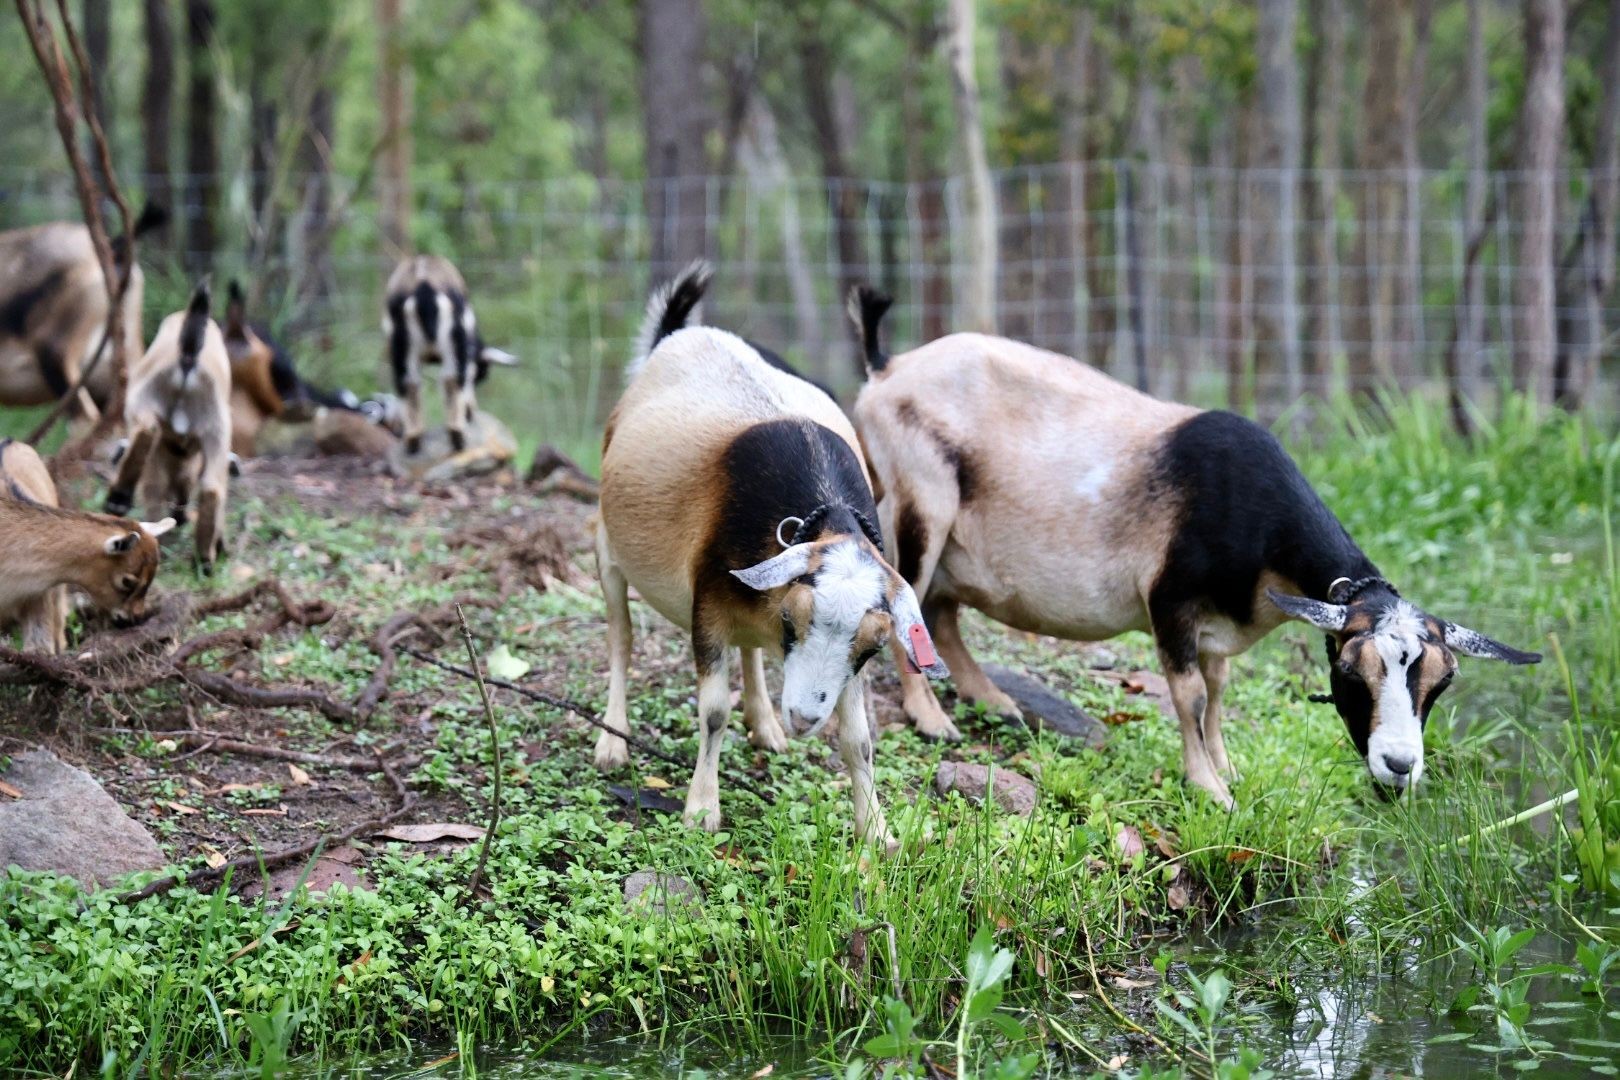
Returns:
(1100,659)
(1014,793)
(656,892)
(1045,710)
(67,824)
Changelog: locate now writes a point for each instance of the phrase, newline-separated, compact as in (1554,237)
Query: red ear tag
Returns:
(922,645)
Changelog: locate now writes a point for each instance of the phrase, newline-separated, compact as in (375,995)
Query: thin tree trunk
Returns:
(1063,250)
(1238,300)
(1593,270)
(202,138)
(1541,123)
(317,281)
(96,20)
(1378,248)
(157,109)
(672,40)
(933,303)
(766,166)
(979,309)
(843,195)
(394,94)
(1273,207)
(1324,106)
(1467,366)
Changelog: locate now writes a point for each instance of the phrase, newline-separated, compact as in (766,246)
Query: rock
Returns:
(652,891)
(490,447)
(1100,659)
(1045,710)
(1014,793)
(66,823)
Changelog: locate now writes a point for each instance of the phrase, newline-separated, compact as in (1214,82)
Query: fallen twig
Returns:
(382,643)
(495,749)
(207,741)
(585,714)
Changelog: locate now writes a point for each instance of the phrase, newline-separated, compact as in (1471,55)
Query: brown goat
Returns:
(50,550)
(179,416)
(53,313)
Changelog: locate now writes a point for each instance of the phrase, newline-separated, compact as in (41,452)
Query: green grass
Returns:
(1310,879)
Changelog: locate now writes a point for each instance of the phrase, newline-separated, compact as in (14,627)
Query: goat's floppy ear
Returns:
(913,634)
(155,529)
(1473,643)
(489,354)
(776,571)
(1323,616)
(123,542)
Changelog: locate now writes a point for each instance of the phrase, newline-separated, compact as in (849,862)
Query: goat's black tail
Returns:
(866,308)
(195,326)
(672,306)
(153,216)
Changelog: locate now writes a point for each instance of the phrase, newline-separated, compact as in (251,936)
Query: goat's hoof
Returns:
(236,466)
(118,503)
(768,735)
(458,441)
(938,730)
(413,444)
(612,753)
(181,515)
(706,818)
(1000,704)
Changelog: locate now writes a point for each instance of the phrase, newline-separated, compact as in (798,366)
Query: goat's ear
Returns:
(489,354)
(123,542)
(1323,616)
(913,634)
(155,529)
(776,571)
(1473,643)
(235,312)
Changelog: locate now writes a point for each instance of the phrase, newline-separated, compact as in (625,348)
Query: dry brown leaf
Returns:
(1042,965)
(447,1059)
(791,873)
(299,776)
(10,791)
(232,787)
(244,950)
(1128,839)
(1179,896)
(1240,855)
(264,811)
(1115,719)
(182,808)
(762,1072)
(1120,982)
(214,859)
(1166,843)
(438,830)
(1116,1063)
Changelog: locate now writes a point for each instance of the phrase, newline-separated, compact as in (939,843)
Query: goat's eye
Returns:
(1347,670)
(127,584)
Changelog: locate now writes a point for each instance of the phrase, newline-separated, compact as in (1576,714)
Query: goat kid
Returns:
(1058,501)
(50,551)
(53,313)
(736,501)
(428,320)
(179,426)
(265,385)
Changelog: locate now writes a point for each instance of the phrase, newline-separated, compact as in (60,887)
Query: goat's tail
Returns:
(195,326)
(672,306)
(153,216)
(866,309)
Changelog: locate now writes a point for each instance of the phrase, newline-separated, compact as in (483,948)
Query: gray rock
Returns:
(658,893)
(1045,710)
(1014,793)
(66,823)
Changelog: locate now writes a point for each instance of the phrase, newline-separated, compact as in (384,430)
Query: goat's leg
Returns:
(855,744)
(455,412)
(612,751)
(1215,670)
(919,529)
(211,491)
(42,623)
(1189,696)
(714,713)
(971,681)
(759,715)
(412,393)
(121,495)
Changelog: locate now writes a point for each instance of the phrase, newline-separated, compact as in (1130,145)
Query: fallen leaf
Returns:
(426,834)
(1166,843)
(244,950)
(503,665)
(729,853)
(1116,1063)
(232,787)
(1115,719)
(1120,982)
(1128,839)
(762,1072)
(1041,963)
(657,783)
(359,962)
(447,1059)
(264,811)
(299,776)
(182,808)
(1179,897)
(214,859)
(10,791)
(791,873)
(547,984)
(1239,855)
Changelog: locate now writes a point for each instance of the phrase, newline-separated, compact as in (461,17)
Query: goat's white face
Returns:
(842,606)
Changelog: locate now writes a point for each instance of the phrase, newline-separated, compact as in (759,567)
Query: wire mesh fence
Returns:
(1204,283)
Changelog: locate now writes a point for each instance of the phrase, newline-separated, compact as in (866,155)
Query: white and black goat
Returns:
(1059,501)
(428,320)
(736,501)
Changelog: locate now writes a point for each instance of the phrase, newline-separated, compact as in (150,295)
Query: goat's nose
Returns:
(1400,766)
(796,721)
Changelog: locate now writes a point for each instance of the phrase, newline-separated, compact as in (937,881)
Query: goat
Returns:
(265,385)
(50,550)
(1059,501)
(179,423)
(428,320)
(736,501)
(53,313)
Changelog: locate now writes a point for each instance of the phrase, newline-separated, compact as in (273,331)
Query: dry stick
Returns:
(382,643)
(585,714)
(495,747)
(224,744)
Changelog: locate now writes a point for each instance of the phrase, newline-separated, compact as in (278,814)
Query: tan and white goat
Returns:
(736,501)
(53,313)
(179,426)
(1058,501)
(50,551)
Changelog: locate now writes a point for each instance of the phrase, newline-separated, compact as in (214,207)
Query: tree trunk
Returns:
(1063,248)
(843,195)
(1468,364)
(672,37)
(1593,271)
(1409,315)
(157,109)
(96,20)
(394,95)
(979,309)
(929,255)
(1378,247)
(1324,106)
(202,138)
(317,281)
(1274,209)
(1541,123)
